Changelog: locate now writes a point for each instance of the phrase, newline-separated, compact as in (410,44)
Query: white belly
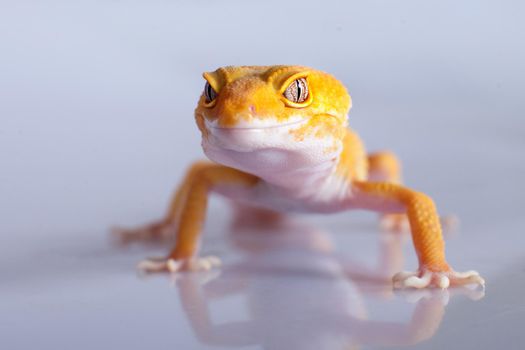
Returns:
(329,196)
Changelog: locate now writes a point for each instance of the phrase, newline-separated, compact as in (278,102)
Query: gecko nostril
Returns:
(252,109)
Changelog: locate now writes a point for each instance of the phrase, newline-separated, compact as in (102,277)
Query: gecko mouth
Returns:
(257,135)
(256,124)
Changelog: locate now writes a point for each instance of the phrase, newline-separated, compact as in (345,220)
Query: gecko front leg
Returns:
(189,206)
(384,166)
(426,234)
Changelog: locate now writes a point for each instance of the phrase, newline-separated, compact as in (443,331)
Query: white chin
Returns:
(258,134)
(269,151)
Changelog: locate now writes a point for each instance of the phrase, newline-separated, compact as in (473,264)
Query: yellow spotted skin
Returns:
(248,98)
(423,218)
(191,201)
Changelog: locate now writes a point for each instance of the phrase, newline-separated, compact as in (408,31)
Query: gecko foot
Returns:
(172,265)
(426,278)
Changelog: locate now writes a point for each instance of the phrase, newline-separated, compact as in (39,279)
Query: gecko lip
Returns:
(248,138)
(212,125)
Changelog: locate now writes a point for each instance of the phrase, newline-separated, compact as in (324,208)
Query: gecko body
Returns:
(279,140)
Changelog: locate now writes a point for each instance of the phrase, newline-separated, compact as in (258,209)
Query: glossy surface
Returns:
(97,127)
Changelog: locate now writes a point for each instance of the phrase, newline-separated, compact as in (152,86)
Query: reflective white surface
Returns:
(96,128)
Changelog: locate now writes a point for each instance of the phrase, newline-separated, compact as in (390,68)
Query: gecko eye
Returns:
(209,92)
(297,92)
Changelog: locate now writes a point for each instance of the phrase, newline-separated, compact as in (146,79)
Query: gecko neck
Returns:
(282,161)
(305,167)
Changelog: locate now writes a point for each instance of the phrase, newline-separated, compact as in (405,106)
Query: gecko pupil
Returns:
(209,92)
(297,92)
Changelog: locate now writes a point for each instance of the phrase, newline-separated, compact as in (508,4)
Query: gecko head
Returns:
(271,109)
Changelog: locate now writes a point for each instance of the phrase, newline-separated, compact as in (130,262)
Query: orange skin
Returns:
(251,96)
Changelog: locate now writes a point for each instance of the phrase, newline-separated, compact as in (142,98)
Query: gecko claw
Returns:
(153,265)
(425,278)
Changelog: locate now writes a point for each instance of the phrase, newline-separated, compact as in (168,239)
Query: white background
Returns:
(96,128)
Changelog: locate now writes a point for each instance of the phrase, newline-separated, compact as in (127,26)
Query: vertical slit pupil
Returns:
(209,92)
(297,91)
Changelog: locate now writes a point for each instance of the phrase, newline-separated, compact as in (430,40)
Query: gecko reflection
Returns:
(300,295)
